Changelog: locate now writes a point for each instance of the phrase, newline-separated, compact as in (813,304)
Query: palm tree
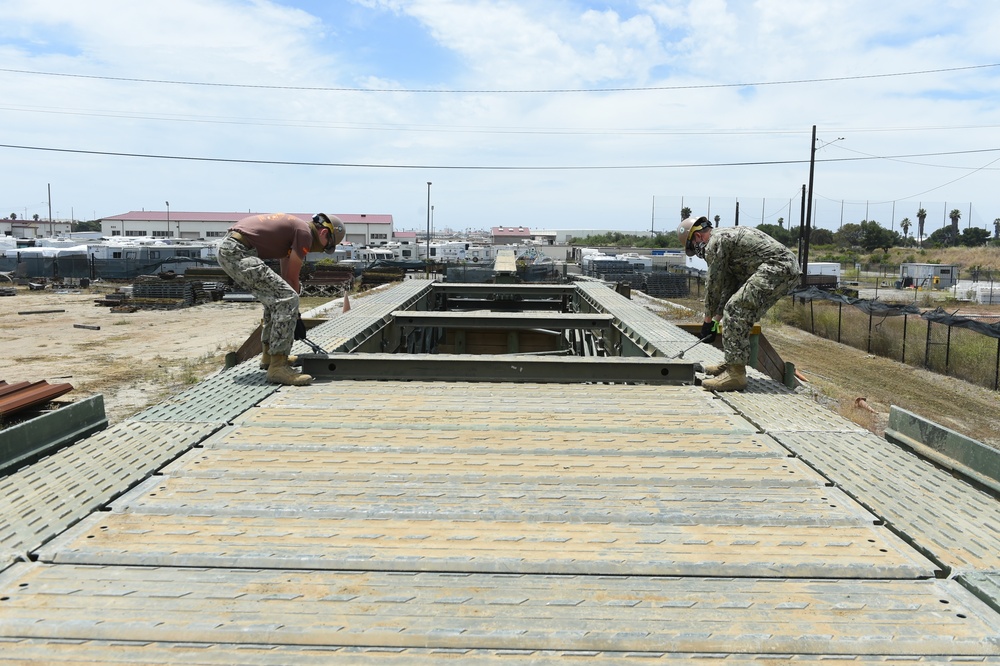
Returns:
(781,223)
(718,218)
(685,213)
(904,224)
(955,216)
(921,216)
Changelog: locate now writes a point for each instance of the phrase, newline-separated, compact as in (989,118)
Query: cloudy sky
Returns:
(542,113)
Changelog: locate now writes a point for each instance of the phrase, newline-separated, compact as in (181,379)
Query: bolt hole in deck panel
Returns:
(420,522)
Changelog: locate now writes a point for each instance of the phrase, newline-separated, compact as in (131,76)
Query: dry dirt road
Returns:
(133,359)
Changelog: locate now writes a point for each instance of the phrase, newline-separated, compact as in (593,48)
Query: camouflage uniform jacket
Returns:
(734,254)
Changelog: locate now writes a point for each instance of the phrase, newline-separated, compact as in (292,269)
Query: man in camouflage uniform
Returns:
(748,272)
(289,239)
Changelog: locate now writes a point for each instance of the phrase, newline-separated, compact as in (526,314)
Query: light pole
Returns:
(428,229)
(168,218)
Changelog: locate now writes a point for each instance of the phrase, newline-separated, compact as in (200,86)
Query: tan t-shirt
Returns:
(276,235)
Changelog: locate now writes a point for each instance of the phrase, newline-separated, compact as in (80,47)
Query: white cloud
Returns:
(497,45)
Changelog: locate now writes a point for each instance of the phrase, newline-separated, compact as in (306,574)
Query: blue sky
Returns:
(547,114)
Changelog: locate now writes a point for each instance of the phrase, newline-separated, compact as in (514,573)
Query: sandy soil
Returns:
(133,359)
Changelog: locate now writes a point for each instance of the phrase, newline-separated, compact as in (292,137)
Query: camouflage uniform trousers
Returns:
(749,304)
(281,303)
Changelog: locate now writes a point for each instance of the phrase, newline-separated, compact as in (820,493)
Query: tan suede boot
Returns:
(280,372)
(715,370)
(265,358)
(734,378)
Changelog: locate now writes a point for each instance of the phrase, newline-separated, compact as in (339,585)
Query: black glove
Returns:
(300,329)
(708,331)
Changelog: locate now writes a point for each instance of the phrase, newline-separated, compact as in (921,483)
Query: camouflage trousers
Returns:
(749,303)
(281,303)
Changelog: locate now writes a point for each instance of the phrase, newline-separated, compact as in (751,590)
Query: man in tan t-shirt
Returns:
(289,239)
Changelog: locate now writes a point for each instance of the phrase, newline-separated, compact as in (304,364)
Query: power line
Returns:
(359,165)
(497,91)
(470,129)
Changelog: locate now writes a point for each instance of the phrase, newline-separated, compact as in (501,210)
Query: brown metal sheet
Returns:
(23,395)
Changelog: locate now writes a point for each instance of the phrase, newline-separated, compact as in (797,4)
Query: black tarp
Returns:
(938,315)
(870,307)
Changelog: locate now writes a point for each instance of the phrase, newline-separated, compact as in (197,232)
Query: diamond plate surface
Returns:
(413,498)
(393,544)
(499,469)
(490,611)
(985,585)
(775,413)
(32,650)
(218,399)
(340,333)
(313,438)
(943,516)
(291,415)
(43,499)
(445,400)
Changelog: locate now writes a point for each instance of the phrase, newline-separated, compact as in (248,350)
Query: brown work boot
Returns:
(265,358)
(280,372)
(715,370)
(734,378)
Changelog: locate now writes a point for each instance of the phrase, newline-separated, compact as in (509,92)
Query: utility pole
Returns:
(428,229)
(808,228)
(802,221)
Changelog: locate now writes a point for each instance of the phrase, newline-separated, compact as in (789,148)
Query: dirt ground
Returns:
(133,359)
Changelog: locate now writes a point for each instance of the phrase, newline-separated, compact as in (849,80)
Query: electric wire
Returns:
(547,91)
(469,167)
(471,129)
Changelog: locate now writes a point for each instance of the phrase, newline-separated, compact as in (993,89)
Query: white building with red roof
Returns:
(362,228)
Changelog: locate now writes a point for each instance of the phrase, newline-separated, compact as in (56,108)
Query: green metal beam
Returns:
(497,368)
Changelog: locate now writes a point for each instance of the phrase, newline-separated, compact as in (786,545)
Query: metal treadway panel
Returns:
(371,398)
(218,399)
(499,468)
(717,424)
(788,413)
(491,611)
(312,438)
(43,499)
(213,654)
(526,547)
(985,585)
(416,499)
(945,517)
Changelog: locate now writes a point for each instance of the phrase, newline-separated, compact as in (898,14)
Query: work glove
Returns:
(300,329)
(708,331)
